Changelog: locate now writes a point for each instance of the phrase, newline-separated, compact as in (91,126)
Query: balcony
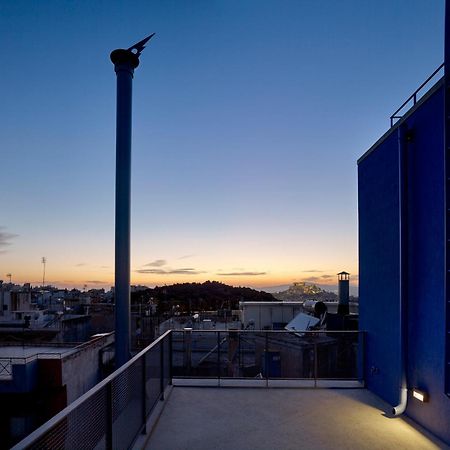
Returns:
(159,399)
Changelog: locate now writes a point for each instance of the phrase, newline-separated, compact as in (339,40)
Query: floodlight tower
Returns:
(125,61)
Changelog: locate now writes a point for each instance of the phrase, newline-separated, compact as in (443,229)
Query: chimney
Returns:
(344,289)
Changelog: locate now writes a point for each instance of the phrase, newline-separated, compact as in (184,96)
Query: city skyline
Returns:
(248,120)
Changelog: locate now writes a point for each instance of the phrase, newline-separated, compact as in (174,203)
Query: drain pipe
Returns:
(403,136)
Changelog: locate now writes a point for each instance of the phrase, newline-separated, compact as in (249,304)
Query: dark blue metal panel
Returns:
(426,247)
(447,192)
(424,213)
(379,267)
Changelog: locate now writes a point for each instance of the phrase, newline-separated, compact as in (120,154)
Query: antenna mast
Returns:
(44,261)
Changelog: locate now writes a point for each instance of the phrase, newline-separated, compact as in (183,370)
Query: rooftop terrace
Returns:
(234,390)
(267,419)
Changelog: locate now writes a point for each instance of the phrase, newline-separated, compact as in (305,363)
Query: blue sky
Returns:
(248,120)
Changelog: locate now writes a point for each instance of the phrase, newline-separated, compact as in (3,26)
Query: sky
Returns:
(248,119)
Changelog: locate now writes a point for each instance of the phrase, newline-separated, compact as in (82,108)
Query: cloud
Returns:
(320,279)
(105,267)
(156,263)
(47,283)
(186,256)
(5,239)
(182,271)
(312,271)
(96,282)
(80,264)
(234,274)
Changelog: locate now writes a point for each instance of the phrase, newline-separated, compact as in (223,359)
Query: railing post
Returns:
(144,394)
(170,356)
(161,363)
(218,357)
(315,364)
(266,357)
(239,352)
(109,418)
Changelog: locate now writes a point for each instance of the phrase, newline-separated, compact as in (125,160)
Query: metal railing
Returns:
(311,355)
(114,412)
(414,95)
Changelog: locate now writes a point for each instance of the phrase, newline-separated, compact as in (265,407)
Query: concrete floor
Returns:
(281,419)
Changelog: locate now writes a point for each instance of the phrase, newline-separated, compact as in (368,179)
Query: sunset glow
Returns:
(246,130)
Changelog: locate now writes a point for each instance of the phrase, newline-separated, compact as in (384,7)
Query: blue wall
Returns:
(379,265)
(25,378)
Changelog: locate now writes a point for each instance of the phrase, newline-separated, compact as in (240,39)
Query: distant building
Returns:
(36,382)
(268,315)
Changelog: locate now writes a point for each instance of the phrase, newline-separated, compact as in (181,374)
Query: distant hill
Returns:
(305,291)
(189,297)
(325,287)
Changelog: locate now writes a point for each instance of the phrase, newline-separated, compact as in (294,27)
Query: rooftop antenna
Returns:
(44,262)
(9,275)
(125,61)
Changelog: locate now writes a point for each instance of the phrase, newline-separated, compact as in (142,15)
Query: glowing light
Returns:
(420,395)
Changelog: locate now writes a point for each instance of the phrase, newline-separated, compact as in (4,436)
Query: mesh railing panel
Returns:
(153,375)
(248,354)
(200,354)
(127,405)
(84,427)
(166,362)
(113,413)
(337,356)
(268,354)
(288,355)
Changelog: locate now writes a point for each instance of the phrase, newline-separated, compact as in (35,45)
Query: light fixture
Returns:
(420,395)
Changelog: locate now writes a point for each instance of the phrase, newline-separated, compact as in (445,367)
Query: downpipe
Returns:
(403,136)
(401,407)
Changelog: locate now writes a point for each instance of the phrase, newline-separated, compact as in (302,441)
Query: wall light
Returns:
(420,395)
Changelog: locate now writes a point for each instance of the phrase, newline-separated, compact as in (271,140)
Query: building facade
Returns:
(402,251)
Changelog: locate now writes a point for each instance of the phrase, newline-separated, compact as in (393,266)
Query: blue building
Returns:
(404,258)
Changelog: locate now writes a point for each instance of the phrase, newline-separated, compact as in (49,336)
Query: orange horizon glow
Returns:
(102,281)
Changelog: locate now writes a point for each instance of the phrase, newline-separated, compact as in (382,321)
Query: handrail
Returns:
(337,332)
(36,434)
(413,96)
(66,421)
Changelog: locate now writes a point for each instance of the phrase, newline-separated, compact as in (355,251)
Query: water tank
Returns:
(315,307)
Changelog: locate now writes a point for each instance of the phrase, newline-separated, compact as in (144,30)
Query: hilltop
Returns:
(188,297)
(303,291)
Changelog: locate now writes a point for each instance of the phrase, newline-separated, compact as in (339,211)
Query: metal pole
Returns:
(125,61)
